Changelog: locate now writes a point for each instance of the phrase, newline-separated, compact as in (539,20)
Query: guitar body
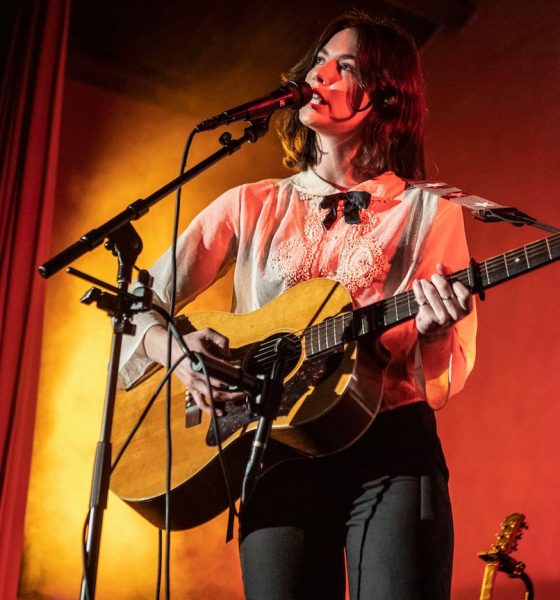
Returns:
(320,412)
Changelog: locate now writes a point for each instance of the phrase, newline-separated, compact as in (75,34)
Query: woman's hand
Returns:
(206,342)
(441,305)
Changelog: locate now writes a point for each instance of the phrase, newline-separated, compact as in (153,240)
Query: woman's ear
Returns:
(385,100)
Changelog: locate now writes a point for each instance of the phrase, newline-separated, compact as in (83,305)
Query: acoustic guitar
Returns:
(498,557)
(319,413)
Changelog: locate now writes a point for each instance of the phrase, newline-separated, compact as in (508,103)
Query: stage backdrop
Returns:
(494,119)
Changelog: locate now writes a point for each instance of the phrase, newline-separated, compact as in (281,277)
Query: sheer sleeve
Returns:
(441,369)
(205,251)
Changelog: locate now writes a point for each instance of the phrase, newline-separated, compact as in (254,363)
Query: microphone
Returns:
(290,95)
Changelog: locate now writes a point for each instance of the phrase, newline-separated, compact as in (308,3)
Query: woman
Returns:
(382,503)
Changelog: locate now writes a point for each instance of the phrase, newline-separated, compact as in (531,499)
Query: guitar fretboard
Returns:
(382,315)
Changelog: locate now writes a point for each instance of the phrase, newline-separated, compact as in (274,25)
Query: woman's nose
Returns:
(316,76)
(320,74)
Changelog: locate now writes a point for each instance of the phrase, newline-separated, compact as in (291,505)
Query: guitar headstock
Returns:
(510,533)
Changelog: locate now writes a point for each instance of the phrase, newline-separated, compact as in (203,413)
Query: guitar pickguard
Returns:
(310,373)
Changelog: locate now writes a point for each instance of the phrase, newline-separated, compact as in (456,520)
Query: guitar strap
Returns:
(454,194)
(424,205)
(482,208)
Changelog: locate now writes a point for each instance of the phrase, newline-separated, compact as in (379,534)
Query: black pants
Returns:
(382,505)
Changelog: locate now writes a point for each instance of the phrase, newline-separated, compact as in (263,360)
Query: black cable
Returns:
(169,352)
(84,558)
(529,593)
(231,499)
(146,410)
(160,556)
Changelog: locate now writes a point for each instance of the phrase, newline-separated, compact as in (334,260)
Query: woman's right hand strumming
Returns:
(206,342)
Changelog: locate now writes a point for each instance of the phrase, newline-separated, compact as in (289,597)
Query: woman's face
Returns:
(334,84)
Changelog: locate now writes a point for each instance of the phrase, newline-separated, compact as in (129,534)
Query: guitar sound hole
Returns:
(260,358)
(256,359)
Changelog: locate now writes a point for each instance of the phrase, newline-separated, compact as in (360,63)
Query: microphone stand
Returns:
(92,239)
(126,245)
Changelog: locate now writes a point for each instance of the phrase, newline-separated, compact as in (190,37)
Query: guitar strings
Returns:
(266,353)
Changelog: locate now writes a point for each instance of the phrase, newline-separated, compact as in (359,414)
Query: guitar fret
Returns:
(352,323)
(354,326)
(526,256)
(396,308)
(348,322)
(548,248)
(359,323)
(487,273)
(505,264)
(339,330)
(388,317)
(365,323)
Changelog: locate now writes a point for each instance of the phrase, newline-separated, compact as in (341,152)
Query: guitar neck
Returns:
(487,589)
(382,315)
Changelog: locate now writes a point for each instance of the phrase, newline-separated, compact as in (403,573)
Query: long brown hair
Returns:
(388,70)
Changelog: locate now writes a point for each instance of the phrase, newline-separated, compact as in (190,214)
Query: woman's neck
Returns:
(334,163)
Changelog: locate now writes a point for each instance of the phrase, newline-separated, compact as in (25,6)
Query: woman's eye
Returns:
(319,60)
(347,67)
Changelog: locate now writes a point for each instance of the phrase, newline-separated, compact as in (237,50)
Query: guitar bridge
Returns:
(193,414)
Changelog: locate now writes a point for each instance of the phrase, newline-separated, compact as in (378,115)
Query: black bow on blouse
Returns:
(353,203)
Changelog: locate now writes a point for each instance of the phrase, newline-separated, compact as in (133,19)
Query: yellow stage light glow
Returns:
(115,150)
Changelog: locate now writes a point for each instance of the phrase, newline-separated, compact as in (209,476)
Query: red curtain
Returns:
(30,112)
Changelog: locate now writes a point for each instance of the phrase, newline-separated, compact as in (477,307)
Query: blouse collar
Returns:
(309,183)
